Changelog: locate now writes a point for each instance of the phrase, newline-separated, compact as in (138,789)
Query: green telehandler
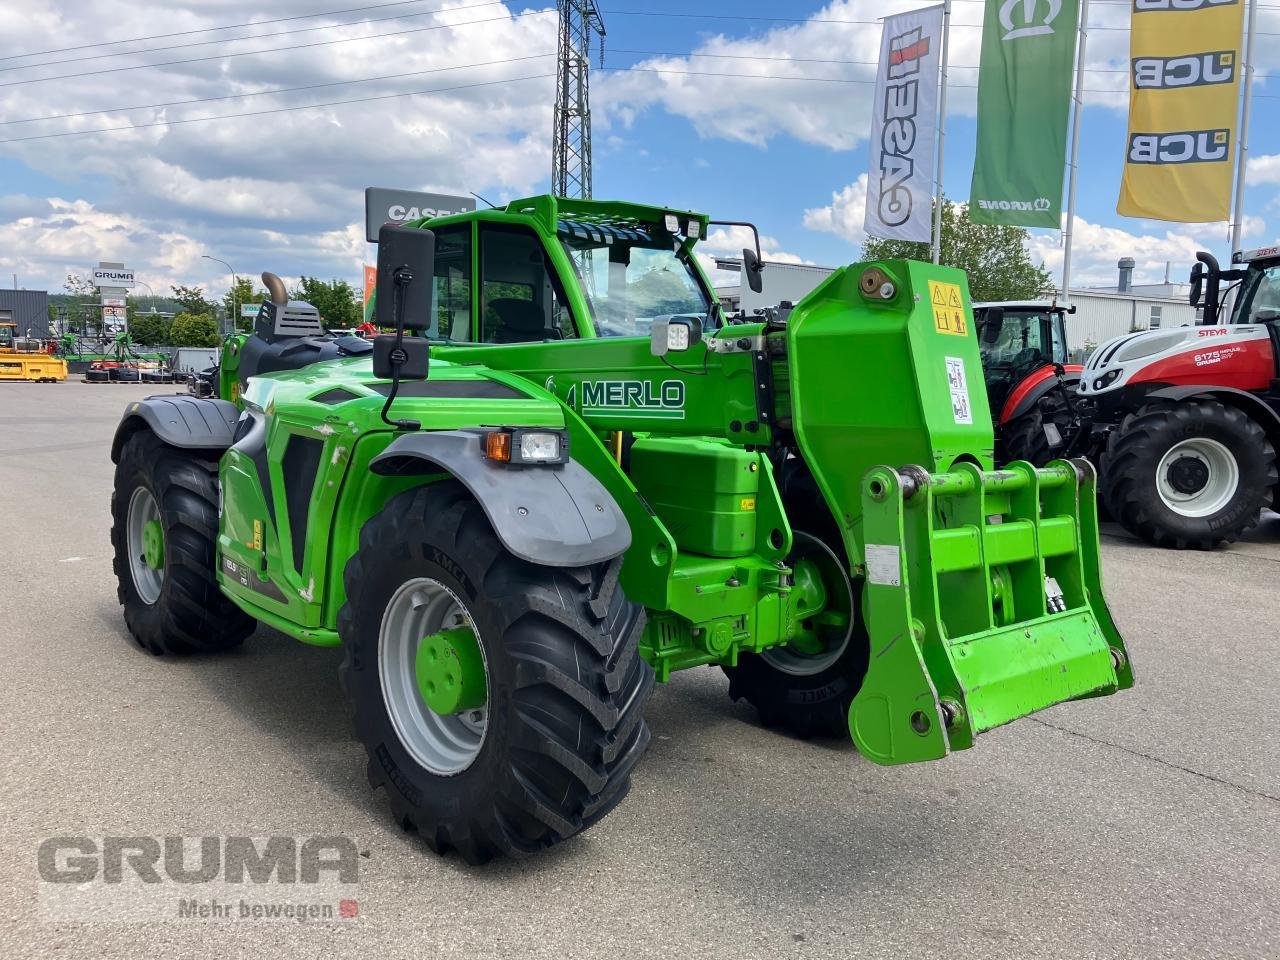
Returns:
(566,476)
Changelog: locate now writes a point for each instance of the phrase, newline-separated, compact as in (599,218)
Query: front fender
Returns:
(556,516)
(180,421)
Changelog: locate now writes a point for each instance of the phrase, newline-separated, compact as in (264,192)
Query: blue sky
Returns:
(284,191)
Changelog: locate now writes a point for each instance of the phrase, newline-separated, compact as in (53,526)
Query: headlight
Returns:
(1106,379)
(531,447)
(539,447)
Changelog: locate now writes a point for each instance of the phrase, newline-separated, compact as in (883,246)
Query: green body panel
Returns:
(705,492)
(880,394)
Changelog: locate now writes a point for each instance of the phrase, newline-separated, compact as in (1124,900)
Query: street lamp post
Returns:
(234,281)
(151,293)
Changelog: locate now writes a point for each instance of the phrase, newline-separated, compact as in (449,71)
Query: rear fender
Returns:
(1030,391)
(557,516)
(191,423)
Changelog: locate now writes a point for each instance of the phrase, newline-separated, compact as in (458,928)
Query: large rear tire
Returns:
(1192,474)
(552,750)
(808,693)
(164,512)
(1025,437)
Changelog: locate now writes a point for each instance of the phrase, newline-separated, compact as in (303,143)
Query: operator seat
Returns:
(522,321)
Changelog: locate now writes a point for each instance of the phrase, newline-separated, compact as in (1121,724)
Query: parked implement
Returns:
(563,477)
(1185,422)
(23,358)
(1030,385)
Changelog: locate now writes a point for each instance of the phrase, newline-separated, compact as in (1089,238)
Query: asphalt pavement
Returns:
(1140,825)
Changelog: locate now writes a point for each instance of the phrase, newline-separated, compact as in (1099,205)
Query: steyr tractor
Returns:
(1184,423)
(564,477)
(1030,385)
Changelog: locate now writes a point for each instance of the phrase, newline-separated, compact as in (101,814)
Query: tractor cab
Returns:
(1019,341)
(7,337)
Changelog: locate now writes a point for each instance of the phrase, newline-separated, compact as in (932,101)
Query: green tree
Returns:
(150,329)
(995,258)
(336,301)
(192,300)
(194,330)
(241,293)
(82,317)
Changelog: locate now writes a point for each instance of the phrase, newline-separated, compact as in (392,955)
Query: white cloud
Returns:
(1096,249)
(844,215)
(301,174)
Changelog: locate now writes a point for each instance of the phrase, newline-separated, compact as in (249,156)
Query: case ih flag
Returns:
(903,127)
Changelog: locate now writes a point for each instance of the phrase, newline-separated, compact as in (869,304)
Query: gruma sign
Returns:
(112,277)
(388,205)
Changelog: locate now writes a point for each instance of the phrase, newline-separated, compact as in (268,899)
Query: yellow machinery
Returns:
(23,359)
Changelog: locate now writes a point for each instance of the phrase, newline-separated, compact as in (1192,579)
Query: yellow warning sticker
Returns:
(748,503)
(948,308)
(257,535)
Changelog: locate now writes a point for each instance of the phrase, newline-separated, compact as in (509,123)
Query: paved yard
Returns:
(1141,825)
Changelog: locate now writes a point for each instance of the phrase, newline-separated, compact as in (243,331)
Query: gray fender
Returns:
(556,516)
(180,421)
(1247,403)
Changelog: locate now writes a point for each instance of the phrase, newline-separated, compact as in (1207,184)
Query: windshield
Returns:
(1261,299)
(1022,340)
(629,279)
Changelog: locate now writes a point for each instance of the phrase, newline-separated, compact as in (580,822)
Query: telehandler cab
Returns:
(564,477)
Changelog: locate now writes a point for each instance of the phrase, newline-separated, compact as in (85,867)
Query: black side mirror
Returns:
(992,324)
(751,267)
(411,362)
(406,264)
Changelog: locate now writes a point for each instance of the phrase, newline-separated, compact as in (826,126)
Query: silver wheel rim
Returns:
(799,664)
(1223,477)
(444,744)
(142,509)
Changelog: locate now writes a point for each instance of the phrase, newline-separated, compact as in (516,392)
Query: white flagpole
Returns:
(1073,165)
(942,134)
(1237,219)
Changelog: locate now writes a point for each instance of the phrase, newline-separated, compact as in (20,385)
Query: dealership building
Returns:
(29,309)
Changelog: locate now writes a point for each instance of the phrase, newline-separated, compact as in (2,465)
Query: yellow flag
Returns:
(1184,58)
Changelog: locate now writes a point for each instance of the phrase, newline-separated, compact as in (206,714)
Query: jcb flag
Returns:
(1183,82)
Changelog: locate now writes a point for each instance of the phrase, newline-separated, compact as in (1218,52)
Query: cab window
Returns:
(521,300)
(451,300)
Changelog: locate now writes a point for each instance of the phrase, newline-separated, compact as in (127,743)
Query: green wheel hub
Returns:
(153,544)
(450,671)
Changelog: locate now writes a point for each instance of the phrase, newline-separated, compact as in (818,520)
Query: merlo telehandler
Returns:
(565,476)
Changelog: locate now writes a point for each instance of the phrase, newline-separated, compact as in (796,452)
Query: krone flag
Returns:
(1183,81)
(903,127)
(1024,99)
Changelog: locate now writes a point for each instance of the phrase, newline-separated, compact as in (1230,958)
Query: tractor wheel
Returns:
(808,691)
(164,513)
(1191,474)
(543,742)
(1024,437)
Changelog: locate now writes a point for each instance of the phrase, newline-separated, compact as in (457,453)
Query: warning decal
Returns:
(959,386)
(948,308)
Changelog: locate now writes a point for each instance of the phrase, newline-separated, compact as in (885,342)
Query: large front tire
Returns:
(1191,474)
(562,726)
(164,513)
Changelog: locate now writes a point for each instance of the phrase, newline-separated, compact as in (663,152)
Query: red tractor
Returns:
(1030,386)
(1184,423)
